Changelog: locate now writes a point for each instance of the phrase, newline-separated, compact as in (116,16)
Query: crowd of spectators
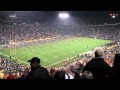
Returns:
(10,69)
(72,70)
(76,69)
(25,31)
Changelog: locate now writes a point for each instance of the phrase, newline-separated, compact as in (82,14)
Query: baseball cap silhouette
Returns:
(34,60)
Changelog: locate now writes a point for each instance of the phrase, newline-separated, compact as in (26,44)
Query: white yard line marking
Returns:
(17,59)
(55,63)
(44,60)
(65,60)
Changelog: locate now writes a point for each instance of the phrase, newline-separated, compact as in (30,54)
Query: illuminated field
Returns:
(55,52)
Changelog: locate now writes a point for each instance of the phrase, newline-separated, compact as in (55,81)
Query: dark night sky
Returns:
(82,14)
(92,14)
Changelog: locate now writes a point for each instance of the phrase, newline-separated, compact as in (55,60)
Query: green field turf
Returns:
(55,52)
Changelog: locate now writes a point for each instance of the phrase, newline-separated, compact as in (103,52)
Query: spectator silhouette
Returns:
(116,66)
(52,73)
(77,76)
(87,75)
(25,73)
(60,75)
(98,67)
(37,71)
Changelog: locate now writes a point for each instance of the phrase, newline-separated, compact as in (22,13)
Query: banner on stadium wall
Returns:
(111,47)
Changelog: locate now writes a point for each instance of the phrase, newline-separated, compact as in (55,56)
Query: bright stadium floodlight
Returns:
(113,16)
(63,15)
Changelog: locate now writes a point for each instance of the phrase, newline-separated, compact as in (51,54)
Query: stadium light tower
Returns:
(63,15)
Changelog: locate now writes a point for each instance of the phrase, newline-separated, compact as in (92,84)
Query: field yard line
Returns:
(55,63)
(17,59)
(65,60)
(50,52)
(38,55)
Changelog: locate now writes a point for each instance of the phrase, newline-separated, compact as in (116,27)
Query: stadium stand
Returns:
(24,32)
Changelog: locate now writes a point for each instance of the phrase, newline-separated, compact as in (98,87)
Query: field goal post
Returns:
(1,47)
(13,46)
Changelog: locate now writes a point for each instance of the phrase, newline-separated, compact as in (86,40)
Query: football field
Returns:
(54,53)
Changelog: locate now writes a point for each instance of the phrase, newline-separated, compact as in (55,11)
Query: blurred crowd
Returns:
(45,28)
(70,70)
(98,64)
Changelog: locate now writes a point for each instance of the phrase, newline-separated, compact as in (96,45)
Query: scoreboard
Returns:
(113,15)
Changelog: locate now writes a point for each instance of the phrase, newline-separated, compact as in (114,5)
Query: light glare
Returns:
(63,15)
